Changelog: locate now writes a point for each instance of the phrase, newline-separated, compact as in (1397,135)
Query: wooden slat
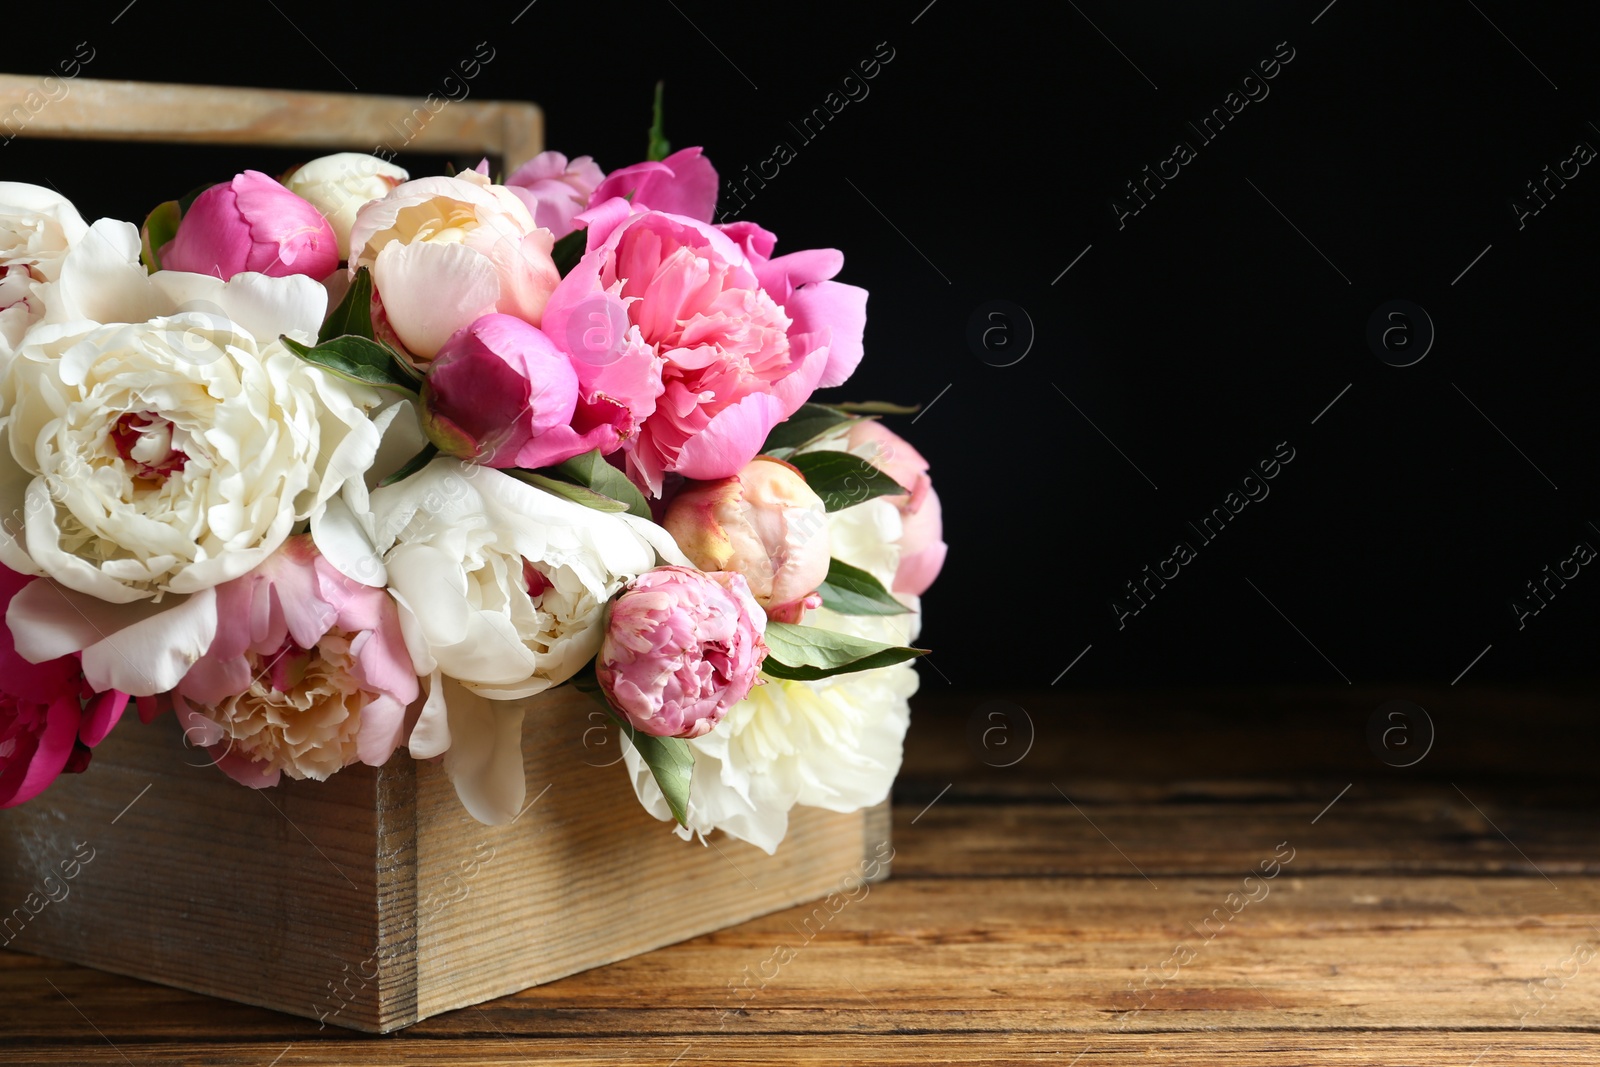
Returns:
(203,114)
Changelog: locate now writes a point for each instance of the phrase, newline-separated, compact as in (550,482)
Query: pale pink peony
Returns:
(681,298)
(252,223)
(764,523)
(308,673)
(556,189)
(681,648)
(685,183)
(444,252)
(922,547)
(501,394)
(49,717)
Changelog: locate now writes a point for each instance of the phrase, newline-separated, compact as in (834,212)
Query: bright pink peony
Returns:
(681,298)
(501,394)
(685,183)
(681,648)
(49,717)
(308,673)
(252,223)
(922,547)
(556,189)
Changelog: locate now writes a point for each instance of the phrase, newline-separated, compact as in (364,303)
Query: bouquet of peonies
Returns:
(350,461)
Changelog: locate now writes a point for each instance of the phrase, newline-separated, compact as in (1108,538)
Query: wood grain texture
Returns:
(1406,928)
(373,900)
(559,890)
(93,109)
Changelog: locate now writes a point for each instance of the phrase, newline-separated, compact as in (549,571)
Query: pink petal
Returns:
(731,439)
(843,308)
(102,713)
(38,761)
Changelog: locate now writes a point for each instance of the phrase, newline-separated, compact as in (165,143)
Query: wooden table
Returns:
(1090,903)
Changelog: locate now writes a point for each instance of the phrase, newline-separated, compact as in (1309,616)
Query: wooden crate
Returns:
(373,900)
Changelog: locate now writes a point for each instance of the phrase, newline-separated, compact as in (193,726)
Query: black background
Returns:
(1220,320)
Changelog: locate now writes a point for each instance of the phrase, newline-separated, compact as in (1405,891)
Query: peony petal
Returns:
(843,308)
(24,774)
(484,761)
(731,439)
(431,290)
(264,306)
(339,536)
(430,737)
(100,714)
(141,649)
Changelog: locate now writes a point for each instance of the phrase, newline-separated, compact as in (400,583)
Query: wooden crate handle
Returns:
(98,110)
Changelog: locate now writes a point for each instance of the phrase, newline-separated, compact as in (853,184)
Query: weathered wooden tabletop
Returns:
(1102,896)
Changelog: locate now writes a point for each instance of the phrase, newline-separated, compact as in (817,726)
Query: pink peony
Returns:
(685,183)
(252,223)
(501,394)
(766,524)
(308,673)
(680,298)
(681,648)
(49,717)
(922,547)
(555,189)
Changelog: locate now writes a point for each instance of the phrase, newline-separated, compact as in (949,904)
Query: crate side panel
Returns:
(181,876)
(557,891)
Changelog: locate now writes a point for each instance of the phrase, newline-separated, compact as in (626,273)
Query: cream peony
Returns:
(447,251)
(503,589)
(37,228)
(168,456)
(341,184)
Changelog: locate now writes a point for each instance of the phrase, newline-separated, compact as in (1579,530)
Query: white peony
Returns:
(340,184)
(503,589)
(151,461)
(37,229)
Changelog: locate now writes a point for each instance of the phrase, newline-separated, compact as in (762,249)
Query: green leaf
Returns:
(591,471)
(669,758)
(841,479)
(660,147)
(359,360)
(852,591)
(569,250)
(807,424)
(878,407)
(808,653)
(412,465)
(567,491)
(160,226)
(353,316)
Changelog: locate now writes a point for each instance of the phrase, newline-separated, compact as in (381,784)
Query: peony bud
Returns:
(681,648)
(922,547)
(764,523)
(339,184)
(501,394)
(252,223)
